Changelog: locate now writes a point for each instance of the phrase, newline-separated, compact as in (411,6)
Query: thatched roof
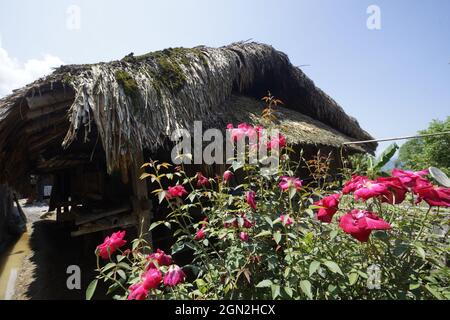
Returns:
(298,128)
(138,101)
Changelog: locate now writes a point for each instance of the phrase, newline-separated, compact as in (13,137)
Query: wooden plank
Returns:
(140,198)
(97,216)
(106,224)
(40,142)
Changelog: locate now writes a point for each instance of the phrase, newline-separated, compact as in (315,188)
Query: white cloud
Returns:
(14,74)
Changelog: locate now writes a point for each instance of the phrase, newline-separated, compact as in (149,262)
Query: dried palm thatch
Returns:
(137,102)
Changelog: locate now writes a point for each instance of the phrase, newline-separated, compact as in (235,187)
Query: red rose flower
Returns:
(355,183)
(290,182)
(243,236)
(160,258)
(176,192)
(370,189)
(200,234)
(434,196)
(174,276)
(330,207)
(202,181)
(137,292)
(152,279)
(111,244)
(286,220)
(250,196)
(247,223)
(227,175)
(277,142)
(243,130)
(396,191)
(359,224)
(410,178)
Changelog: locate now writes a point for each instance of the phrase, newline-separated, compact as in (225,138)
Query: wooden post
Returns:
(140,203)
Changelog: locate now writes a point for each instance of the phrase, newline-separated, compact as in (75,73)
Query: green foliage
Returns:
(128,84)
(417,154)
(307,259)
(365,164)
(170,63)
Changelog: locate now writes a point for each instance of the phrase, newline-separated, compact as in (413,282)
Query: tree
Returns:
(433,151)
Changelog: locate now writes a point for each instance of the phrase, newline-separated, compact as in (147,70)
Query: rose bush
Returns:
(274,236)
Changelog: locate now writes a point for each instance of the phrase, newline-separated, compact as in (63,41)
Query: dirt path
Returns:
(35,267)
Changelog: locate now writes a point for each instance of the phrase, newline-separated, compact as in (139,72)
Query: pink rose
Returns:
(137,292)
(277,142)
(355,183)
(286,220)
(111,244)
(250,196)
(176,192)
(396,191)
(227,175)
(434,196)
(243,236)
(200,234)
(290,182)
(330,207)
(152,279)
(370,189)
(202,181)
(410,178)
(359,224)
(174,276)
(160,258)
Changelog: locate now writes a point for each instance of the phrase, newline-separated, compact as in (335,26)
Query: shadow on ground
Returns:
(54,250)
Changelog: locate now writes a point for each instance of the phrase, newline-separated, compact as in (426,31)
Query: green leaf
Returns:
(333,234)
(277,237)
(177,247)
(434,292)
(353,278)
(440,177)
(194,269)
(400,248)
(414,286)
(275,290)
(313,267)
(161,196)
(421,252)
(292,192)
(385,156)
(112,288)
(108,266)
(288,291)
(122,274)
(155,224)
(268,220)
(124,265)
(305,285)
(236,165)
(263,234)
(91,289)
(264,284)
(333,267)
(310,212)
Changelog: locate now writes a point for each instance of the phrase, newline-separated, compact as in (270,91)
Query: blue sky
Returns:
(394,80)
